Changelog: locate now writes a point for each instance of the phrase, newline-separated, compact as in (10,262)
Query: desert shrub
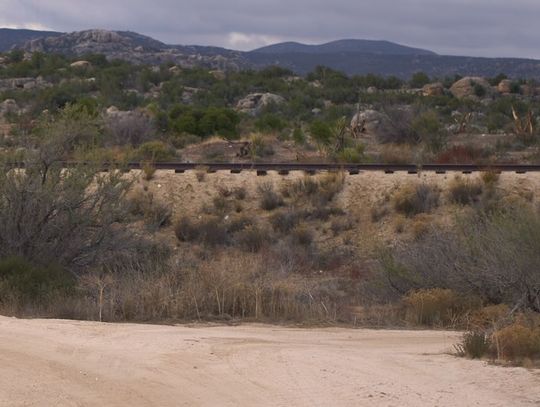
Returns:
(148,170)
(185,230)
(421,225)
(212,231)
(260,147)
(319,192)
(200,172)
(414,199)
(156,213)
(133,129)
(433,307)
(240,193)
(475,344)
(239,223)
(301,188)
(70,218)
(341,225)
(459,155)
(331,184)
(493,255)
(517,341)
(269,199)
(322,213)
(463,191)
(220,204)
(430,130)
(489,316)
(490,178)
(301,235)
(353,155)
(378,212)
(397,154)
(285,221)
(252,238)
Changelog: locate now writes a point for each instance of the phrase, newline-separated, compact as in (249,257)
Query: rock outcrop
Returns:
(505,86)
(81,65)
(255,102)
(23,83)
(433,89)
(472,87)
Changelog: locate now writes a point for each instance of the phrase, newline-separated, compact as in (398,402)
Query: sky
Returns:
(491,28)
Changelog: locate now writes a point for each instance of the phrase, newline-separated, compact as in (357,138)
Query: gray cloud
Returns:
(463,27)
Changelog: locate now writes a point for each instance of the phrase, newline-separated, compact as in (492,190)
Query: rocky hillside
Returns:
(135,48)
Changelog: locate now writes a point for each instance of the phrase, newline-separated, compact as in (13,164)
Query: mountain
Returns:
(349,56)
(402,66)
(136,48)
(10,38)
(344,46)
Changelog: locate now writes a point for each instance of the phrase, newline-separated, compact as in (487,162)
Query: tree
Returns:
(419,79)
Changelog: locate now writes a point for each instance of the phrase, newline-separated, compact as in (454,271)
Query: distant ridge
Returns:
(353,57)
(10,38)
(340,46)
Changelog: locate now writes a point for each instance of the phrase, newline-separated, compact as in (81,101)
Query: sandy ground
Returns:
(66,363)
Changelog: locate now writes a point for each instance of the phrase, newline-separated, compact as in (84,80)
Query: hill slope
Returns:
(349,45)
(14,37)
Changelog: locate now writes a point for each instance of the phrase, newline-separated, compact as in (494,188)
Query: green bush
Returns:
(475,344)
(155,151)
(32,282)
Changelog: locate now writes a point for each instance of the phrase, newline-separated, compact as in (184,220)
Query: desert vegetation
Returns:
(456,252)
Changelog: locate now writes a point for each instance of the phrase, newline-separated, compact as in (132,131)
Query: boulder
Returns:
(81,65)
(471,87)
(372,90)
(505,86)
(371,122)
(218,74)
(9,106)
(433,89)
(255,102)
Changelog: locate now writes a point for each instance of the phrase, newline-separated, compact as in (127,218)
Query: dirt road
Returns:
(66,363)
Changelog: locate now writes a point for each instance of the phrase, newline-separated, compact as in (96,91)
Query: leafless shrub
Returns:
(185,230)
(464,192)
(414,199)
(285,221)
(492,255)
(253,238)
(129,128)
(240,193)
(156,213)
(270,200)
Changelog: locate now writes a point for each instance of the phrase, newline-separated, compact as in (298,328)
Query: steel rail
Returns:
(285,167)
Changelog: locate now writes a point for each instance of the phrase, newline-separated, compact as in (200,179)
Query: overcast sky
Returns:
(458,27)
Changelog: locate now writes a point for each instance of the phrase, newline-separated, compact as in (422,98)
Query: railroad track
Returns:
(284,168)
